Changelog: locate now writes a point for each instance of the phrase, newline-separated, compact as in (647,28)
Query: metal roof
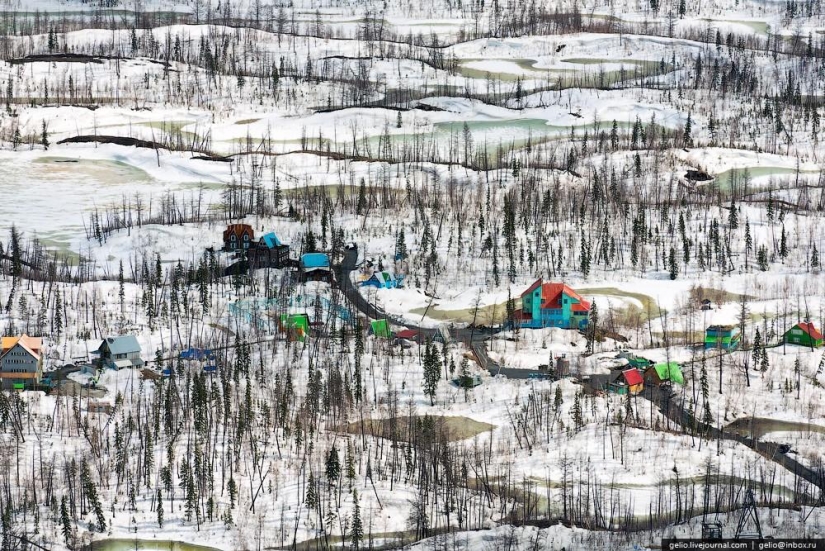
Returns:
(121,345)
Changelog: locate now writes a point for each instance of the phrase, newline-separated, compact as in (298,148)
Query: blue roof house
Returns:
(269,252)
(383,280)
(315,267)
(119,352)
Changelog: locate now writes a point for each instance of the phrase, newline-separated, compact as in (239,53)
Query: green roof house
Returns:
(666,372)
(805,334)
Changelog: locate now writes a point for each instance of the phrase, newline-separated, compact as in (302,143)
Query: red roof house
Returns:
(553,305)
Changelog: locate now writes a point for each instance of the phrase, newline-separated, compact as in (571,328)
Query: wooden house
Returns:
(724,337)
(552,305)
(119,353)
(805,334)
(21,361)
(315,267)
(238,237)
(666,372)
(269,252)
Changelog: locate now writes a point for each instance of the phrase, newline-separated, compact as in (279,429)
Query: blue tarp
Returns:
(196,354)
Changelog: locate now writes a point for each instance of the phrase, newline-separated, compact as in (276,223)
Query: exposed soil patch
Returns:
(407,429)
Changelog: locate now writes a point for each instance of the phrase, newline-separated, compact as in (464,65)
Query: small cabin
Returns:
(804,334)
(664,373)
(629,381)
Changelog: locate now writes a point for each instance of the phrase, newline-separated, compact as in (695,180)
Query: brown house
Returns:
(238,237)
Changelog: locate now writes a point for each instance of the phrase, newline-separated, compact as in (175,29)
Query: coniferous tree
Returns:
(688,139)
(673,265)
(576,412)
(44,135)
(357,530)
(707,417)
(159,508)
(66,523)
(311,498)
(432,372)
(733,219)
(762,258)
(333,466)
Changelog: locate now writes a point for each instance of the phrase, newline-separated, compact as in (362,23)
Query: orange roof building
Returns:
(21,361)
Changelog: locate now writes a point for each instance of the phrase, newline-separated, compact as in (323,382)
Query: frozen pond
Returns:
(52,196)
(147,545)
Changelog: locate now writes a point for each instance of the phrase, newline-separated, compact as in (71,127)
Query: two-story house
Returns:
(553,305)
(21,361)
(119,352)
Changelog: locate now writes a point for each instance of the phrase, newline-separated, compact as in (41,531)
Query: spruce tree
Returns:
(707,418)
(311,498)
(673,265)
(432,372)
(159,508)
(66,523)
(357,531)
(333,466)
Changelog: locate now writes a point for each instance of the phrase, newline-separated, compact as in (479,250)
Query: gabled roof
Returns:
(632,377)
(238,229)
(669,372)
(121,345)
(408,334)
(271,240)
(551,295)
(532,287)
(808,327)
(32,345)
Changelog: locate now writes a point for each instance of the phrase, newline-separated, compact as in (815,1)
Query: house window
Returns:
(796,331)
